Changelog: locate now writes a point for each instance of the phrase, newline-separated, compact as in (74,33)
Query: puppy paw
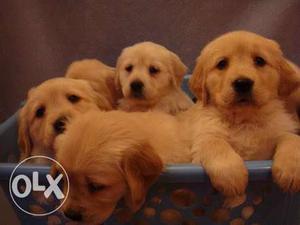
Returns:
(286,167)
(230,176)
(235,201)
(286,173)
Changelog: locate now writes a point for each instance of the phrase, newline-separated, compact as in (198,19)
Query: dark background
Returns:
(39,38)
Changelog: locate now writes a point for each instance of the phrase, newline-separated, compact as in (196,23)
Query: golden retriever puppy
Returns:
(48,110)
(101,77)
(150,76)
(116,155)
(241,78)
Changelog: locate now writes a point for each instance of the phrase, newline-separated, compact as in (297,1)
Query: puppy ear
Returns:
(197,83)
(179,68)
(115,91)
(141,167)
(289,78)
(24,139)
(102,102)
(117,81)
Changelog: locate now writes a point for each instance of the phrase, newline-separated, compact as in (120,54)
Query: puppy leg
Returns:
(286,165)
(175,102)
(225,168)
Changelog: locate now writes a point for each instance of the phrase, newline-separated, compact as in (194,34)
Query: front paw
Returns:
(286,163)
(229,176)
(286,173)
(234,201)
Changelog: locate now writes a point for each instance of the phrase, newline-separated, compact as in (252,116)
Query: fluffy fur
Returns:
(113,155)
(159,72)
(252,127)
(293,101)
(58,101)
(100,76)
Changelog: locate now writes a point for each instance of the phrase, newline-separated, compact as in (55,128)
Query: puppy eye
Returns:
(73,98)
(222,64)
(95,187)
(129,68)
(39,113)
(259,61)
(153,70)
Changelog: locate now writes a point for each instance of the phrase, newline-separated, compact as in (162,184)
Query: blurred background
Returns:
(39,38)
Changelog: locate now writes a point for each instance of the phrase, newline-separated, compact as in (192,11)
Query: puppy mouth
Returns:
(137,95)
(244,100)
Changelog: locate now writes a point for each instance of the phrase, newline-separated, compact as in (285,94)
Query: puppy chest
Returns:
(252,143)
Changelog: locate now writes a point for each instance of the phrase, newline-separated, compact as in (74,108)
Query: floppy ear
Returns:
(197,83)
(141,167)
(115,91)
(179,68)
(102,102)
(24,139)
(289,78)
(117,81)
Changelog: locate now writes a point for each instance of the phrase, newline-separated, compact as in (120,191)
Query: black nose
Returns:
(137,86)
(59,125)
(243,85)
(73,215)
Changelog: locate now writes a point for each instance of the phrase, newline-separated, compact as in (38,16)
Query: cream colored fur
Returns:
(36,133)
(259,129)
(100,76)
(121,152)
(162,89)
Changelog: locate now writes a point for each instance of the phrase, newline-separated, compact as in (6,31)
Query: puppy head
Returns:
(241,70)
(49,108)
(147,71)
(103,168)
(100,76)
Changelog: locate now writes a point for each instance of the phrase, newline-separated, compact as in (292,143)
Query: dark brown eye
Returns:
(73,98)
(153,70)
(129,68)
(222,64)
(39,113)
(93,187)
(259,61)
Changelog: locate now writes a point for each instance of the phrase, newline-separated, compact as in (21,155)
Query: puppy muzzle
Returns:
(137,88)
(243,88)
(59,125)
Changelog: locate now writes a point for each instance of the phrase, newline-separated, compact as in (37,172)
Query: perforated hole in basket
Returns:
(171,205)
(171,216)
(181,205)
(183,197)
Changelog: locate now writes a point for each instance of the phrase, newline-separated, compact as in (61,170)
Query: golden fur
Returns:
(120,155)
(101,77)
(293,101)
(48,103)
(256,129)
(160,71)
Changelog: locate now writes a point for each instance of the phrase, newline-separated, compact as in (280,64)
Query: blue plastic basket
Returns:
(183,195)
